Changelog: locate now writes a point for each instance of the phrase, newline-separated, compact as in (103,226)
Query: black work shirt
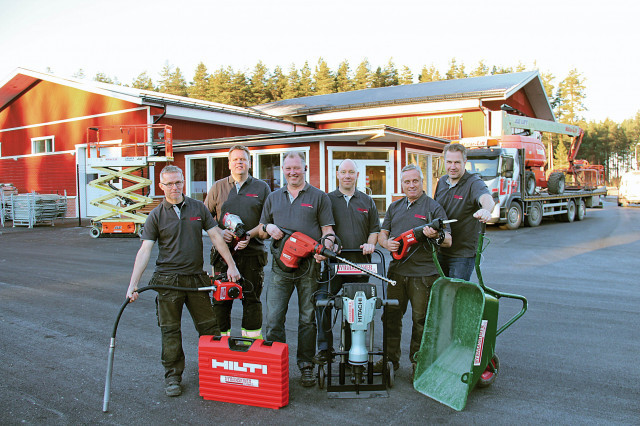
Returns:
(354,221)
(179,239)
(223,197)
(308,212)
(418,262)
(460,202)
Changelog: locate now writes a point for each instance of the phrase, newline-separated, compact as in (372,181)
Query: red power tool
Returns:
(295,246)
(415,235)
(225,290)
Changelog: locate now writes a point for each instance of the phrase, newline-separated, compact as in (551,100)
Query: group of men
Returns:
(348,213)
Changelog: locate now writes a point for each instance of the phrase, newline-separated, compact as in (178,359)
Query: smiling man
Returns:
(243,195)
(465,197)
(177,224)
(297,207)
(415,273)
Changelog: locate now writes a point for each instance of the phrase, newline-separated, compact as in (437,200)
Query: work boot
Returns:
(173,389)
(307,378)
(377,367)
(322,357)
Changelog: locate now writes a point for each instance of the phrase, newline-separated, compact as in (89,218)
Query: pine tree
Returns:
(343,78)
(79,74)
(390,74)
(560,155)
(455,70)
(172,82)
(429,74)
(324,82)
(292,90)
(520,67)
(406,76)
(277,85)
(362,79)
(199,88)
(219,89)
(103,78)
(378,79)
(306,84)
(501,70)
(240,89)
(259,85)
(481,70)
(143,81)
(571,91)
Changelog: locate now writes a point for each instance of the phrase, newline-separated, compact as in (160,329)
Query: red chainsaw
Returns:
(415,236)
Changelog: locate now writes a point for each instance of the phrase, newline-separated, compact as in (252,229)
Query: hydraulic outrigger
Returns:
(136,147)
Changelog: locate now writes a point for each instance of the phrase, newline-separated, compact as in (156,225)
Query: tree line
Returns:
(608,143)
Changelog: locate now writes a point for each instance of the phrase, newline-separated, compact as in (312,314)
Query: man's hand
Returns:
(232,273)
(132,294)
(430,232)
(393,245)
(482,215)
(228,236)
(242,243)
(367,248)
(275,232)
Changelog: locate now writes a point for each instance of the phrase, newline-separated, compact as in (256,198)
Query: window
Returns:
(432,167)
(42,145)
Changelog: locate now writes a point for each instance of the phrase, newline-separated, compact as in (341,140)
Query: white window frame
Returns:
(43,138)
(428,178)
(254,162)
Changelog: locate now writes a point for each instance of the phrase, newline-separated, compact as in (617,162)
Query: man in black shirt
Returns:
(415,273)
(357,226)
(243,195)
(177,224)
(465,197)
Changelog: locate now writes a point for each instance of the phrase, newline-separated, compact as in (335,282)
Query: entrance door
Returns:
(373,180)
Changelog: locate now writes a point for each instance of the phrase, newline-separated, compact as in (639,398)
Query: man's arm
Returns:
(487,204)
(223,249)
(142,259)
(370,245)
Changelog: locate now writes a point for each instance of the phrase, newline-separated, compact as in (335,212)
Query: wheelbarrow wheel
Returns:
(322,376)
(489,375)
(391,375)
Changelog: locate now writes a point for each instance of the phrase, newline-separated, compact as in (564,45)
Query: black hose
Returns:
(112,344)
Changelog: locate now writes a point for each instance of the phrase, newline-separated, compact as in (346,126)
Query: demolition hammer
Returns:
(415,236)
(296,246)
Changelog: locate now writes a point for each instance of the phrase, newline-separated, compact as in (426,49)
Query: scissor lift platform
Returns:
(138,146)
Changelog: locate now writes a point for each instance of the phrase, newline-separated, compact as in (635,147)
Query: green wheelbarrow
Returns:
(459,340)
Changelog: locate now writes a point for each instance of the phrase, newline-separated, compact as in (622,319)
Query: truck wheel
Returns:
(581,209)
(489,375)
(514,216)
(570,215)
(534,217)
(529,182)
(555,184)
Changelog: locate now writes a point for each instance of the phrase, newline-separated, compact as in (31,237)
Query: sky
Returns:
(125,38)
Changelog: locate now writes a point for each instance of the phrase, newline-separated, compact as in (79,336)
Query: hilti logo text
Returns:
(236,366)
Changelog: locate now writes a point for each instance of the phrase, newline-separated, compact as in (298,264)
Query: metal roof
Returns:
(21,79)
(498,86)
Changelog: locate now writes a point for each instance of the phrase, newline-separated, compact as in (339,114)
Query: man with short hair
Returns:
(177,224)
(298,206)
(415,273)
(243,195)
(465,197)
(357,226)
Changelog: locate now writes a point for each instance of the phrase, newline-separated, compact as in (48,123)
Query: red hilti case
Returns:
(244,371)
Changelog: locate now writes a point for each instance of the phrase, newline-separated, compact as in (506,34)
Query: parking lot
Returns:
(571,359)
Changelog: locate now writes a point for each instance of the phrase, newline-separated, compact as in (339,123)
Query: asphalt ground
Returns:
(571,359)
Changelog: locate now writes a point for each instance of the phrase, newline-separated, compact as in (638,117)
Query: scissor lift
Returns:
(138,146)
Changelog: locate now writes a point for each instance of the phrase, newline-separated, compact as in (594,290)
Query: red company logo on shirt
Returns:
(306,205)
(252,195)
(196,218)
(362,210)
(421,217)
(458,197)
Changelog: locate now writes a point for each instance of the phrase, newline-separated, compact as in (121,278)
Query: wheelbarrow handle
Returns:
(509,296)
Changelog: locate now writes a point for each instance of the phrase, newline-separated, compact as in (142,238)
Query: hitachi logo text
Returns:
(236,366)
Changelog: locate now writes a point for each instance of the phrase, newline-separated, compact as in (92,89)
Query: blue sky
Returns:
(124,38)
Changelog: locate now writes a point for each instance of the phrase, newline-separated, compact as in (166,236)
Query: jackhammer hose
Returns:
(112,343)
